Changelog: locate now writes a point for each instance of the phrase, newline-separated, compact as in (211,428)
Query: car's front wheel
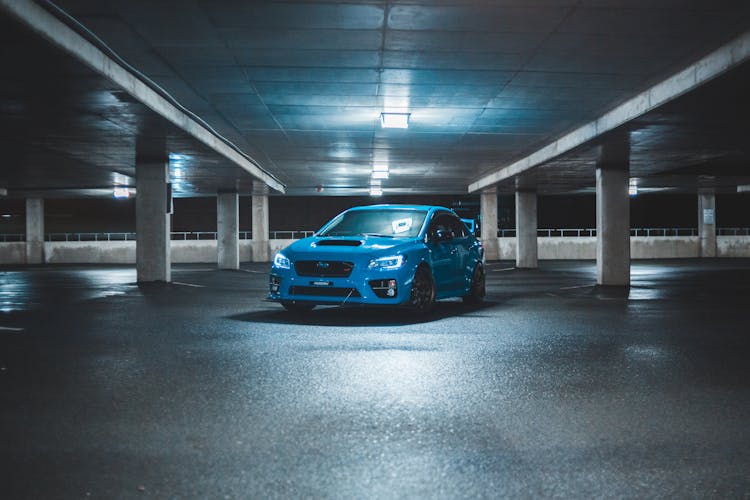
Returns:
(478,287)
(422,291)
(297,308)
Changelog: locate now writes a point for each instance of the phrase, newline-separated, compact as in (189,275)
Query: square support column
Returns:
(526,225)
(488,216)
(152,221)
(228,230)
(35,231)
(261,245)
(612,225)
(707,224)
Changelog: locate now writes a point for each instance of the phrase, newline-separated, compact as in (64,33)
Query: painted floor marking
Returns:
(10,329)
(504,269)
(576,286)
(188,284)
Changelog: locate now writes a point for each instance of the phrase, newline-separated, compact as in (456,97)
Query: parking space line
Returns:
(188,284)
(577,286)
(503,269)
(10,329)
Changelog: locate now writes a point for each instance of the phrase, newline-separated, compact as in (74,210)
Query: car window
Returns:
(446,222)
(455,225)
(401,223)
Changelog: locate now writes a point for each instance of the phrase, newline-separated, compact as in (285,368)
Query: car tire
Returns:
(422,291)
(294,307)
(478,288)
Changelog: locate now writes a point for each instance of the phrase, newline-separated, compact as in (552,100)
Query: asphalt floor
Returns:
(553,387)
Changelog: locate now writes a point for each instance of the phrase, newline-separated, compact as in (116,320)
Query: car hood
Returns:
(340,247)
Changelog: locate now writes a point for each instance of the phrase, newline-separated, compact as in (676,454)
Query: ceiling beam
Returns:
(48,26)
(682,82)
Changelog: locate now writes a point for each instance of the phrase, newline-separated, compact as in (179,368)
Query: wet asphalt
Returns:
(200,389)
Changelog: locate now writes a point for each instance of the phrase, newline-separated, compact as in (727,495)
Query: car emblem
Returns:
(323,265)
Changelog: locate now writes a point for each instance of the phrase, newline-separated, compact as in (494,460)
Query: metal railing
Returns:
(664,231)
(90,237)
(176,235)
(293,235)
(733,231)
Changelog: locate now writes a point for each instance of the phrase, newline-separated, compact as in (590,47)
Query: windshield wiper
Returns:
(378,235)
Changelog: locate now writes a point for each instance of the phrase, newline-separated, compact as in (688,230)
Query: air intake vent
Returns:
(338,243)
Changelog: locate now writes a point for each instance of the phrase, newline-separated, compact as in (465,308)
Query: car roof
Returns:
(399,207)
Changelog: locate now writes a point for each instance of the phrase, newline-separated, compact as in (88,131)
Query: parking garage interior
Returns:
(158,154)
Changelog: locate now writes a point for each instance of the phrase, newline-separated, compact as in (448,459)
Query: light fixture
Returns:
(376,182)
(633,187)
(380,175)
(744,188)
(376,191)
(380,168)
(394,120)
(121,192)
(3,192)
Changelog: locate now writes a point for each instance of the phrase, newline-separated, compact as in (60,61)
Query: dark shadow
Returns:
(360,315)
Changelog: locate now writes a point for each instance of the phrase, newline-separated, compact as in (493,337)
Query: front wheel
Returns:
(478,287)
(297,308)
(422,291)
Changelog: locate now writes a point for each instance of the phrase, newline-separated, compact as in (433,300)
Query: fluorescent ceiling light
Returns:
(745,188)
(376,182)
(380,168)
(121,192)
(375,191)
(380,175)
(394,120)
(3,191)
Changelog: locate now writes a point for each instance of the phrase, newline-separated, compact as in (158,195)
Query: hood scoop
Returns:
(338,243)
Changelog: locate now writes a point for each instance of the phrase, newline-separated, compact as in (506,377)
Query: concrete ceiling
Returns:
(299,87)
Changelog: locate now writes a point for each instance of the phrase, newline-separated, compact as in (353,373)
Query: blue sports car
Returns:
(406,255)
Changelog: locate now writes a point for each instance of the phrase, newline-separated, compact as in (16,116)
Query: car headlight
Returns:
(280,261)
(387,263)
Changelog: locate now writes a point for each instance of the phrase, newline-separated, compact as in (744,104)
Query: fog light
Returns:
(274,284)
(391,288)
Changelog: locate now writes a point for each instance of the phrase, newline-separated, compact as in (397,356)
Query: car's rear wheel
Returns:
(422,291)
(478,287)
(296,307)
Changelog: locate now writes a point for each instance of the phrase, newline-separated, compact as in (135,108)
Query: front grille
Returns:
(328,268)
(320,291)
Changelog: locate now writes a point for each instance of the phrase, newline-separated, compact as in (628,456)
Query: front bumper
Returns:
(370,287)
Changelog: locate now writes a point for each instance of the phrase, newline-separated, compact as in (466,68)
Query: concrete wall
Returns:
(641,247)
(13,253)
(204,251)
(733,246)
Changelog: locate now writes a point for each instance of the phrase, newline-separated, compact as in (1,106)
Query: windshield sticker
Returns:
(401,225)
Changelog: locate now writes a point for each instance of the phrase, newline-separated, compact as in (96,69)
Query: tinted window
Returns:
(402,223)
(447,222)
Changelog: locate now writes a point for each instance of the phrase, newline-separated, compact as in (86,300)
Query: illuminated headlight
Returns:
(387,263)
(280,261)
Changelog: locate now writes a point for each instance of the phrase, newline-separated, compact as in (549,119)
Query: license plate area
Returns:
(321,283)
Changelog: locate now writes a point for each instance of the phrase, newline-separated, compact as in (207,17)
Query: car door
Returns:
(442,253)
(460,249)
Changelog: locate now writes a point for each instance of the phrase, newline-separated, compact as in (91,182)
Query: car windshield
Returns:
(399,223)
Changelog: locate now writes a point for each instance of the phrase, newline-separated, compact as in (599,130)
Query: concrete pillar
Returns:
(35,231)
(152,218)
(227,230)
(488,215)
(261,245)
(707,223)
(526,223)
(613,216)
